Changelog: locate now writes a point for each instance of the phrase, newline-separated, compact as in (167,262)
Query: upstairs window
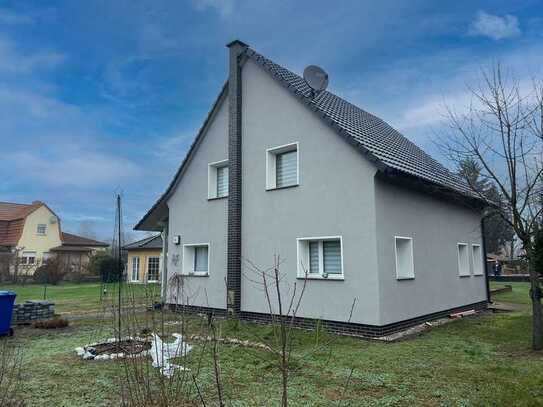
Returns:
(41,229)
(282,166)
(320,258)
(477,259)
(196,259)
(222,182)
(217,180)
(153,268)
(463,260)
(405,265)
(286,169)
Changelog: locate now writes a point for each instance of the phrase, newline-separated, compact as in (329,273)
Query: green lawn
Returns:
(78,299)
(519,295)
(480,361)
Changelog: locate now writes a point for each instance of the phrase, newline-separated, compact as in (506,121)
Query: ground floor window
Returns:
(135,268)
(405,265)
(29,258)
(200,259)
(320,257)
(196,259)
(463,260)
(477,259)
(153,267)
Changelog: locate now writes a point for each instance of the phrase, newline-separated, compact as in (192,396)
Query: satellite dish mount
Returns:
(316,78)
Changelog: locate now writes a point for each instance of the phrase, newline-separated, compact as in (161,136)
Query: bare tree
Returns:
(502,131)
(284,302)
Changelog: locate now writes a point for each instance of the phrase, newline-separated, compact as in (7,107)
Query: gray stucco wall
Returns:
(199,220)
(338,195)
(335,197)
(436,227)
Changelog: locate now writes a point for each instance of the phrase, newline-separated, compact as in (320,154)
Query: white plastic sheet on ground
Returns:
(162,352)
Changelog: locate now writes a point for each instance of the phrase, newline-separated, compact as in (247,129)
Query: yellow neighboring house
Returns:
(144,263)
(33,231)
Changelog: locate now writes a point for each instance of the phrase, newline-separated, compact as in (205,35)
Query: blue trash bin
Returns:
(7,298)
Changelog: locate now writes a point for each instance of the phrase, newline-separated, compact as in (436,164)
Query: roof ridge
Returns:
(90,240)
(144,240)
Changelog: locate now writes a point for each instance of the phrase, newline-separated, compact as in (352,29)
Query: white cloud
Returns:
(170,147)
(223,7)
(79,217)
(75,169)
(12,61)
(432,109)
(495,27)
(31,105)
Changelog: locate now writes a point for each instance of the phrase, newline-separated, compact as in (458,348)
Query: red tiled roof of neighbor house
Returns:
(73,240)
(12,220)
(11,211)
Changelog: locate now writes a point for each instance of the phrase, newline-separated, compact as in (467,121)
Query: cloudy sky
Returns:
(101,96)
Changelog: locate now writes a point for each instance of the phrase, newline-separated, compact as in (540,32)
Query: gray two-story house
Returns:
(354,209)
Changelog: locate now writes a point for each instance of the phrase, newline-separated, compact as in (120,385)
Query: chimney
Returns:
(233,271)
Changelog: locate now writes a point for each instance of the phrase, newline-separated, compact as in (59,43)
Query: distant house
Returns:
(357,212)
(75,251)
(144,260)
(33,232)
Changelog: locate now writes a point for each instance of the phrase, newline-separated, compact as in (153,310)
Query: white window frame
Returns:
(188,260)
(302,244)
(461,271)
(410,274)
(158,273)
(44,229)
(26,256)
(132,269)
(477,260)
(271,174)
(212,179)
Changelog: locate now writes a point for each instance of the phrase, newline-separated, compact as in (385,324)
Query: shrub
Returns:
(53,323)
(105,266)
(51,272)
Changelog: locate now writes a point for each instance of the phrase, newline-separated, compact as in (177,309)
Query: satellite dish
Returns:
(316,78)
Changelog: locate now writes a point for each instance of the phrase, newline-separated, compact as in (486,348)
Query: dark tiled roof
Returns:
(384,145)
(153,242)
(73,240)
(389,150)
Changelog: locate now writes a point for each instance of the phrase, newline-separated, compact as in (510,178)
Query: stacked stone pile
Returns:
(32,311)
